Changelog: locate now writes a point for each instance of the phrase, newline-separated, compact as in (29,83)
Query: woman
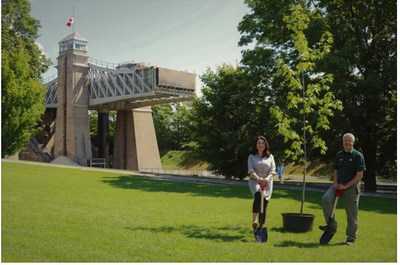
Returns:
(261,169)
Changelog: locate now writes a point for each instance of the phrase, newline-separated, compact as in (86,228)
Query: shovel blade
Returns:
(261,234)
(257,235)
(325,238)
(264,235)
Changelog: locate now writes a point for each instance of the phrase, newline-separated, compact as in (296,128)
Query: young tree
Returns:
(22,64)
(304,102)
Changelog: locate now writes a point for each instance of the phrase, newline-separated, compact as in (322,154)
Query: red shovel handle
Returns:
(338,193)
(262,186)
(262,197)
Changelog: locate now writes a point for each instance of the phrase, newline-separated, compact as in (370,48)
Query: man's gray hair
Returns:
(349,135)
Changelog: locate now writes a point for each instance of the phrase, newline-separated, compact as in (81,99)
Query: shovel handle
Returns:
(337,193)
(262,197)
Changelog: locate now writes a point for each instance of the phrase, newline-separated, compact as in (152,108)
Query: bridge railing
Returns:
(103,64)
(114,65)
(48,79)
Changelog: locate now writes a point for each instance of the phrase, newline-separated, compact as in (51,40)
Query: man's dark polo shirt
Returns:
(347,164)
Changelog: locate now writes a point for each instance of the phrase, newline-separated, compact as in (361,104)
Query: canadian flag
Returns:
(70,21)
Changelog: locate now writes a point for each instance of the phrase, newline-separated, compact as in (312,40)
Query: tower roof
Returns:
(74,36)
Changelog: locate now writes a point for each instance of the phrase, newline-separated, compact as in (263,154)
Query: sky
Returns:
(185,35)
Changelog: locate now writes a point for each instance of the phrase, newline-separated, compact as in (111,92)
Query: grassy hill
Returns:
(188,161)
(182,160)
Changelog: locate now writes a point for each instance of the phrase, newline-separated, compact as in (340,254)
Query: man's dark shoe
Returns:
(350,241)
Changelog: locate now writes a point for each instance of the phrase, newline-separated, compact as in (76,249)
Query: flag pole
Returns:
(73,15)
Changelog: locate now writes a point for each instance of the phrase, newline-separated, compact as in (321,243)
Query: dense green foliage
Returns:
(162,117)
(227,118)
(58,214)
(22,63)
(362,61)
(94,130)
(172,125)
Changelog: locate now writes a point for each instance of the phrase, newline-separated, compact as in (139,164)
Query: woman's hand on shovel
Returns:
(263,182)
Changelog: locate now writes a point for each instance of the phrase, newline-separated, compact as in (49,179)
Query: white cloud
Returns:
(41,48)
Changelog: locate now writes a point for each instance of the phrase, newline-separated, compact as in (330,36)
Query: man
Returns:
(348,171)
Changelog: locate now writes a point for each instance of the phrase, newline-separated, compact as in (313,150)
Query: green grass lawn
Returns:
(54,214)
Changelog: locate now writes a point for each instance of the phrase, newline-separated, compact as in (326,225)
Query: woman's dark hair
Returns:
(266,151)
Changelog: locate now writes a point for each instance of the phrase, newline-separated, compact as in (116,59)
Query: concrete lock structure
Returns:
(72,136)
(84,84)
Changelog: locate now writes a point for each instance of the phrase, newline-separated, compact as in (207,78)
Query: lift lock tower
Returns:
(72,136)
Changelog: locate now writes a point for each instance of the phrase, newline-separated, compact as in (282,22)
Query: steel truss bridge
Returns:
(130,85)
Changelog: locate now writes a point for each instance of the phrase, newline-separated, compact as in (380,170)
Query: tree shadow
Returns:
(290,243)
(371,204)
(279,230)
(196,189)
(313,198)
(218,234)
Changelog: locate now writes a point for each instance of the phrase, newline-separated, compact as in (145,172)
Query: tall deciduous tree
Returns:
(162,118)
(172,123)
(362,60)
(181,124)
(22,64)
(228,117)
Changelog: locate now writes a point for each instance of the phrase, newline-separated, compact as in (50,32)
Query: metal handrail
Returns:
(35,146)
(113,65)
(49,78)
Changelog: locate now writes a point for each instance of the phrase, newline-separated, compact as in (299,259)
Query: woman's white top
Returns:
(262,166)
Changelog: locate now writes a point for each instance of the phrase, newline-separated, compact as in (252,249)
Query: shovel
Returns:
(261,233)
(328,234)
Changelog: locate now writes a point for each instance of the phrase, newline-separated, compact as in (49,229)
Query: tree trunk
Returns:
(369,136)
(370,173)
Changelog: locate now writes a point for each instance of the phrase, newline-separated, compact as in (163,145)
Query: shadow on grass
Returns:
(278,229)
(143,184)
(289,243)
(219,234)
(371,204)
(379,205)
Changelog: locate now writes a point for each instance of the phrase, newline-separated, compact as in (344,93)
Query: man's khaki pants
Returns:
(350,198)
